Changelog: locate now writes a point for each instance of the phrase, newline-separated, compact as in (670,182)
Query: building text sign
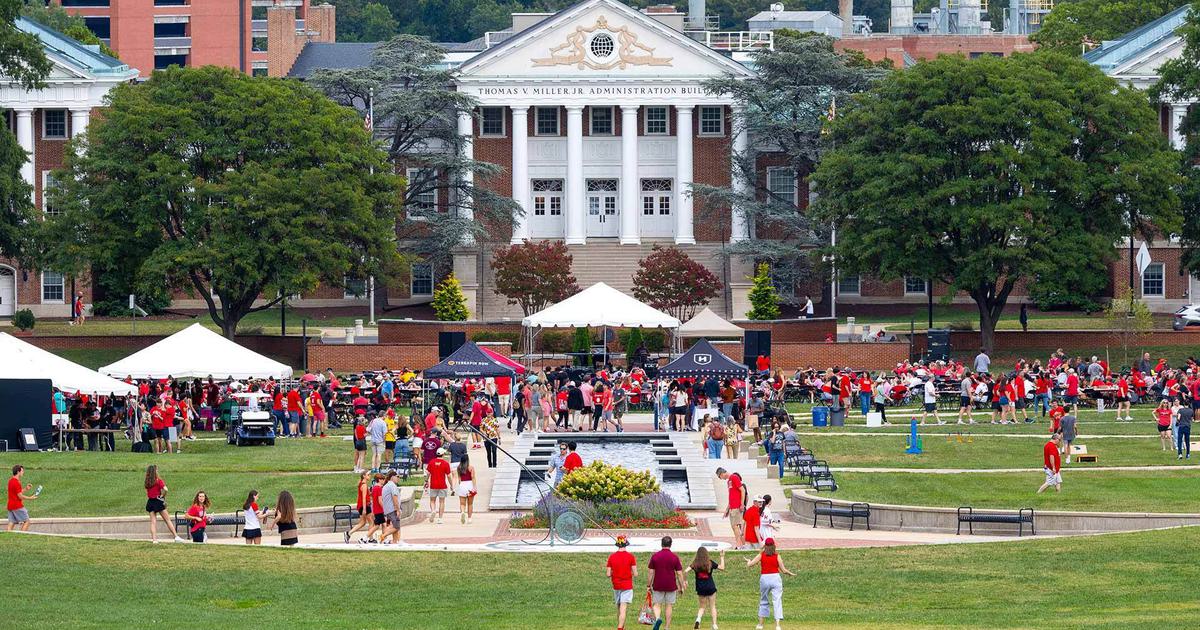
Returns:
(595,90)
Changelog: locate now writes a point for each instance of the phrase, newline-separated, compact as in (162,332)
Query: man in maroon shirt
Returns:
(1052,463)
(666,580)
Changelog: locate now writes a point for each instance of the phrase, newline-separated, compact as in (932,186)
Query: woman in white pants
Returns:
(770,583)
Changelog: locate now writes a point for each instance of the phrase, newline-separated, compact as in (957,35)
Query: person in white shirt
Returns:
(808,307)
(931,403)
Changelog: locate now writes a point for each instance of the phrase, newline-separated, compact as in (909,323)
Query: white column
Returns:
(79,121)
(739,230)
(630,213)
(684,230)
(520,171)
(25,139)
(466,129)
(1178,111)
(574,188)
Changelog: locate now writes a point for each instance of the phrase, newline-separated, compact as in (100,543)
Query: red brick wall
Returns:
(794,330)
(790,356)
(880,47)
(345,358)
(1176,284)
(710,165)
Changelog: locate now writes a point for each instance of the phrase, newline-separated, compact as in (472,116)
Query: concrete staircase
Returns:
(605,260)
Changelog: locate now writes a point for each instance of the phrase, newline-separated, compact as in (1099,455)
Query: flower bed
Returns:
(653,511)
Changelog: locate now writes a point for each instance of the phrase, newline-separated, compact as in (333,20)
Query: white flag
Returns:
(1143,258)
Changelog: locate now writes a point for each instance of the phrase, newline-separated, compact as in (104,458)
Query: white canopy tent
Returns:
(708,324)
(597,306)
(197,352)
(25,360)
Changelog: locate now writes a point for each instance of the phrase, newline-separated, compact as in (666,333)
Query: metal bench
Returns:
(968,515)
(403,465)
(345,513)
(824,481)
(797,459)
(237,520)
(853,511)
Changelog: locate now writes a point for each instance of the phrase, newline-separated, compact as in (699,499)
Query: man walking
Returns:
(377,436)
(666,581)
(983,362)
(18,516)
(437,483)
(390,496)
(1183,435)
(622,568)
(735,511)
(930,396)
(1052,463)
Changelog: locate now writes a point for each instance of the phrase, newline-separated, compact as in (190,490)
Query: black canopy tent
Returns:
(703,359)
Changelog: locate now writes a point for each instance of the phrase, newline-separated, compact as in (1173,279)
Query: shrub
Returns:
(496,335)
(656,340)
(669,280)
(599,481)
(555,341)
(449,303)
(961,325)
(764,301)
(631,338)
(24,319)
(582,342)
(534,274)
(655,510)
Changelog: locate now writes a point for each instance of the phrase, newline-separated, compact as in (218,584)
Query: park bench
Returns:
(237,520)
(345,513)
(811,469)
(853,511)
(402,465)
(824,481)
(798,458)
(968,515)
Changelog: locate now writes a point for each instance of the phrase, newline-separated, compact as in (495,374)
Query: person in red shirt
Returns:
(504,394)
(1123,396)
(763,364)
(277,411)
(573,459)
(1019,399)
(865,388)
(736,506)
(1052,463)
(378,517)
(437,482)
(360,445)
(622,568)
(198,515)
(18,516)
(1056,414)
(1073,391)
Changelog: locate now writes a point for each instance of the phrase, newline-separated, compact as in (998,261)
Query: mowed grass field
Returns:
(1116,581)
(87,483)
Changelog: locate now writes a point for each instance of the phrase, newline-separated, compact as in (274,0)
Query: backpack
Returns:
(717,433)
(141,447)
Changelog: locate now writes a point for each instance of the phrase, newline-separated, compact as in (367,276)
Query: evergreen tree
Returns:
(449,303)
(764,301)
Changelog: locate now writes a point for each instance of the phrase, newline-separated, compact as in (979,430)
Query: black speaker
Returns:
(449,341)
(25,422)
(755,343)
(938,344)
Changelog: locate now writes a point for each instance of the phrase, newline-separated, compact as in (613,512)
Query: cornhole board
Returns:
(1080,453)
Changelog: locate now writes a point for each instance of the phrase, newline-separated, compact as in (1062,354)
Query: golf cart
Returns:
(248,424)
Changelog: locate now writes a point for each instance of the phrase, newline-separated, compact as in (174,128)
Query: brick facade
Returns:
(894,47)
(394,356)
(791,356)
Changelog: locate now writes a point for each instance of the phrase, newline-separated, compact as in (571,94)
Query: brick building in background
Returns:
(42,121)
(255,36)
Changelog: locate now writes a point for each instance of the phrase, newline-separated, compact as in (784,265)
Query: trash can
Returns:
(838,417)
(820,416)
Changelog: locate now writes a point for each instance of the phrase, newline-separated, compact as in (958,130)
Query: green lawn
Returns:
(943,316)
(266,322)
(94,358)
(1106,491)
(90,483)
(1090,422)
(1117,581)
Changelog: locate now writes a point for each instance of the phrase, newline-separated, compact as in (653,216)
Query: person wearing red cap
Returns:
(770,584)
(622,568)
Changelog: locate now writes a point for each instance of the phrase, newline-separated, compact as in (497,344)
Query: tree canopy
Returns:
(785,110)
(240,190)
(416,121)
(1075,24)
(1180,81)
(534,274)
(671,281)
(984,173)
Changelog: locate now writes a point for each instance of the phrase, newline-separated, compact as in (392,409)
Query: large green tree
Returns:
(377,23)
(23,62)
(242,190)
(1180,81)
(984,173)
(1075,24)
(416,122)
(785,110)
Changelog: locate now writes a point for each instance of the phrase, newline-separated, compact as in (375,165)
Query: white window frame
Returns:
(415,213)
(666,120)
(1162,281)
(924,285)
(62,284)
(347,294)
(47,177)
(842,290)
(537,118)
(710,108)
(66,124)
(483,133)
(412,279)
(612,122)
(774,171)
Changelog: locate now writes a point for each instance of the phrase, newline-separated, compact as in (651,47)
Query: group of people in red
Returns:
(667,579)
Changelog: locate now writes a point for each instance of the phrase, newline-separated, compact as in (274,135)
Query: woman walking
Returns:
(285,519)
(706,587)
(403,439)
(1162,415)
(768,522)
(156,490)
(752,518)
(363,505)
(254,516)
(770,583)
(198,515)
(491,439)
(465,488)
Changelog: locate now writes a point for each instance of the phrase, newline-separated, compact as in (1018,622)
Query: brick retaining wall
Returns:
(1071,341)
(356,357)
